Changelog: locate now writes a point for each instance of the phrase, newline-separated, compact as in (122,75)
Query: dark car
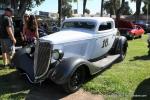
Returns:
(145,25)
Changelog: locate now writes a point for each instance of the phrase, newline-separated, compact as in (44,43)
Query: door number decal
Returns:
(105,43)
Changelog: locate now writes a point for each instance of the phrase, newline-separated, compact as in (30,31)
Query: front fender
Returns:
(23,63)
(65,68)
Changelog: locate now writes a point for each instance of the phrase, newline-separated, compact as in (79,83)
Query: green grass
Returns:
(117,83)
(122,79)
(12,87)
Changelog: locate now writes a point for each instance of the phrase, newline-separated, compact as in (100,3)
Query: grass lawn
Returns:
(120,82)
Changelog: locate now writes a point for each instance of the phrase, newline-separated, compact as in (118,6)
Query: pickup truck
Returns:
(84,46)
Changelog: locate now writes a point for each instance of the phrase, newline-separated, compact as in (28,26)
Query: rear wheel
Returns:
(140,36)
(123,52)
(75,81)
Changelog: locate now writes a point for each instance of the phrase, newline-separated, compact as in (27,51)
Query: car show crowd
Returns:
(29,33)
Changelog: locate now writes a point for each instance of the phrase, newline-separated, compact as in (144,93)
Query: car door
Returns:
(104,39)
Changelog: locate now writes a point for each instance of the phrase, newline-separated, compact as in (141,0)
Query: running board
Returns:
(105,62)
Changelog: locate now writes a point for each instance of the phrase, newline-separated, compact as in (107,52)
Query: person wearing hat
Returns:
(7,38)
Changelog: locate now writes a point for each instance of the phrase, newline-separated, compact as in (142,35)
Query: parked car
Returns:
(145,25)
(83,46)
(130,30)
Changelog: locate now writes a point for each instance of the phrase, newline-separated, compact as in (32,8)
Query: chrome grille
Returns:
(42,58)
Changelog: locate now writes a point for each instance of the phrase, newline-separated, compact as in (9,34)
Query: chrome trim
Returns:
(35,62)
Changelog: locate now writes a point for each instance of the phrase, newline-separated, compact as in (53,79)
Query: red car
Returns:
(137,31)
(130,30)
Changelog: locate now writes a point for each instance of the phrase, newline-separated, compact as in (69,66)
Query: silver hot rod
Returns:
(83,46)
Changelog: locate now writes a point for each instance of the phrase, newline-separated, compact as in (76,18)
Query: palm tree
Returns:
(138,8)
(102,5)
(84,6)
(60,11)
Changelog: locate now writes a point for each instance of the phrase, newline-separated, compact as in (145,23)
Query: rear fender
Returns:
(122,42)
(119,42)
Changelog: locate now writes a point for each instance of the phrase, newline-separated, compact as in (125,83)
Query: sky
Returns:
(93,5)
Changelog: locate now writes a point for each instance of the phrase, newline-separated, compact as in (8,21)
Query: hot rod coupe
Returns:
(83,46)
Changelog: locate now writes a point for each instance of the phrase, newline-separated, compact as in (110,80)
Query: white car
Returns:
(83,46)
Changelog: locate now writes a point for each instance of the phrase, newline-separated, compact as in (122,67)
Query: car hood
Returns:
(64,36)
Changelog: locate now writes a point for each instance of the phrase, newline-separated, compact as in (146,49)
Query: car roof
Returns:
(95,19)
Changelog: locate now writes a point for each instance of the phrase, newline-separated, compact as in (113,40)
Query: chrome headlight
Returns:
(57,54)
(28,50)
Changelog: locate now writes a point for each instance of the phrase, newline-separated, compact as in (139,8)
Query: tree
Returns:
(66,8)
(84,6)
(87,11)
(21,6)
(102,5)
(118,12)
(126,10)
(112,6)
(146,7)
(138,7)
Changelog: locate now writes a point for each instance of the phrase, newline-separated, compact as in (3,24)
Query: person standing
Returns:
(23,28)
(31,30)
(7,38)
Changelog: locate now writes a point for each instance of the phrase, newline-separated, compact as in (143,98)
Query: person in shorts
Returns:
(7,38)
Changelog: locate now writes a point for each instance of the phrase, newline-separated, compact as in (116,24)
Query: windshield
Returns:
(76,24)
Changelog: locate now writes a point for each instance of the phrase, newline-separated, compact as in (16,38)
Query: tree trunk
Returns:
(22,8)
(84,6)
(138,9)
(102,6)
(60,11)
(118,12)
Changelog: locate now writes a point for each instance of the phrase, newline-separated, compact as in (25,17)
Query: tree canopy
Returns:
(21,6)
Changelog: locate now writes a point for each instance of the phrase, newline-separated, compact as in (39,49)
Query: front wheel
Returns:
(75,81)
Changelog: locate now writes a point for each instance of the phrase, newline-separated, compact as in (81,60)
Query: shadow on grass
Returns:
(12,84)
(145,57)
(1,66)
(1,58)
(142,92)
(50,91)
(17,96)
(47,91)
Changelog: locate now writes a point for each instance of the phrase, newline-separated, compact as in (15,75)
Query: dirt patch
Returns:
(51,91)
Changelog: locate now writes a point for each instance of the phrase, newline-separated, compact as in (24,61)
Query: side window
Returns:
(105,26)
